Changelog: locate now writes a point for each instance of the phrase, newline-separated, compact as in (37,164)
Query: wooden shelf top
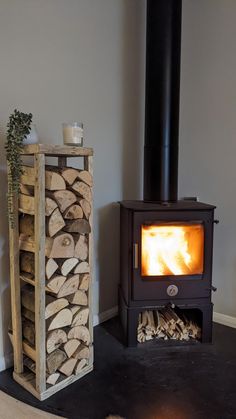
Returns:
(56,150)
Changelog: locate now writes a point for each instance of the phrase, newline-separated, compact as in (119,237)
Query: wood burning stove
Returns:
(165,244)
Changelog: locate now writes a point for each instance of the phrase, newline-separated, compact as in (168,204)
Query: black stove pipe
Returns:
(163,48)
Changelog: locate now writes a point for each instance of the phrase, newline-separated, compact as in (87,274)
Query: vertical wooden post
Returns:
(39,228)
(62,161)
(88,165)
(15,285)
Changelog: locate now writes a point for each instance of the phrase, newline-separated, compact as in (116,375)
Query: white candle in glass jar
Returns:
(73,133)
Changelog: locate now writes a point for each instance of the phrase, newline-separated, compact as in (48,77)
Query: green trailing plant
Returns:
(18,128)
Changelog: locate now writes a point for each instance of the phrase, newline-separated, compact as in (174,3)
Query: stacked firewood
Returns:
(67,268)
(166,324)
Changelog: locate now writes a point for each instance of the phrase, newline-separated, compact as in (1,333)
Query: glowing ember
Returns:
(172,249)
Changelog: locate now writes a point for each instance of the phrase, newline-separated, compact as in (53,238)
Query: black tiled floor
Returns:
(152,381)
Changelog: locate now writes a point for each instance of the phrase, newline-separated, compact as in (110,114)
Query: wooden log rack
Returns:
(51,270)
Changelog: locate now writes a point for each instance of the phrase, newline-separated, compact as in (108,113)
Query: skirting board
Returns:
(224,319)
(105,315)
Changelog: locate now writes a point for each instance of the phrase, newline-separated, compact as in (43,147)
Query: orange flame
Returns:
(172,249)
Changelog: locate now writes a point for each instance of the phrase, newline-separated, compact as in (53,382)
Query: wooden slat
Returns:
(56,150)
(39,228)
(62,161)
(88,165)
(15,287)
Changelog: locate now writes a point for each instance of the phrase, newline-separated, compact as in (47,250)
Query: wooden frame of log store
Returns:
(51,270)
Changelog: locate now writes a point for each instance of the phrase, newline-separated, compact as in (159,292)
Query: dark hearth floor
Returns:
(152,381)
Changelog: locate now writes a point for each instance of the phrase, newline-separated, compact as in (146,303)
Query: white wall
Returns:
(84,60)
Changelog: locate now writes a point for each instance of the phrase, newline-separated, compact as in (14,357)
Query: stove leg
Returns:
(207,313)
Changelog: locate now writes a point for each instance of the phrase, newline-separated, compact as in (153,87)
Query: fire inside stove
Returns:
(171,249)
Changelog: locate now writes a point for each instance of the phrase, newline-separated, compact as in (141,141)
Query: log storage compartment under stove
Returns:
(165,243)
(51,270)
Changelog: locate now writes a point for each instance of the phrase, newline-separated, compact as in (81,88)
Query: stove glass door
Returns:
(172,249)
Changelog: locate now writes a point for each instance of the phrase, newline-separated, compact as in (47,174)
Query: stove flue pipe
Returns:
(163,48)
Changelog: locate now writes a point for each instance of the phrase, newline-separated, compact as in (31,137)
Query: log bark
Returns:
(78,298)
(77,226)
(86,207)
(51,267)
(81,333)
(82,352)
(70,347)
(68,366)
(69,287)
(55,360)
(81,318)
(82,190)
(55,306)
(28,331)
(54,223)
(27,298)
(26,190)
(74,212)
(67,265)
(54,284)
(27,262)
(27,314)
(82,268)
(55,339)
(62,319)
(64,198)
(26,225)
(79,367)
(81,248)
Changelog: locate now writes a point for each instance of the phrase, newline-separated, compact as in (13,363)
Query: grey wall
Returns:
(208,128)
(84,60)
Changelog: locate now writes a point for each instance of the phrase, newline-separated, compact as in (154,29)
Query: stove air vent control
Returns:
(172,290)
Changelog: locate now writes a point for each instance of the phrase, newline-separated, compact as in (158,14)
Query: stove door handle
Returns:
(135,255)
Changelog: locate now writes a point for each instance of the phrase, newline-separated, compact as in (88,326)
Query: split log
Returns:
(86,177)
(55,306)
(86,207)
(81,248)
(54,223)
(55,339)
(62,319)
(70,286)
(28,331)
(27,298)
(74,309)
(81,364)
(69,174)
(26,225)
(50,206)
(67,265)
(73,212)
(84,282)
(70,347)
(64,198)
(26,190)
(53,181)
(53,378)
(81,318)
(78,298)
(62,246)
(68,366)
(77,226)
(27,314)
(54,284)
(27,262)
(82,352)
(81,333)
(27,204)
(51,267)
(82,268)
(28,363)
(83,190)
(55,360)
